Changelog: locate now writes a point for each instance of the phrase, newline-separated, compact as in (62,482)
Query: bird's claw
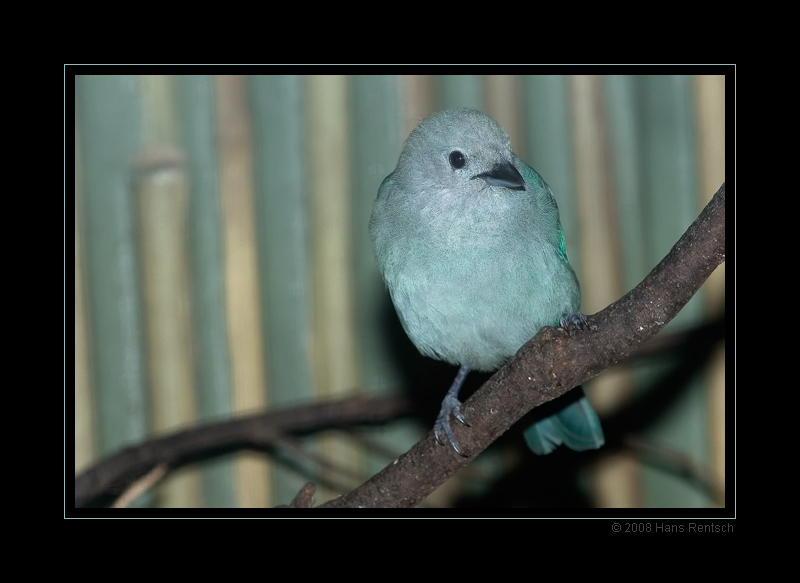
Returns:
(576,321)
(442,425)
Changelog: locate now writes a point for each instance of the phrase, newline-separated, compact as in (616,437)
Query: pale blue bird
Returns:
(469,242)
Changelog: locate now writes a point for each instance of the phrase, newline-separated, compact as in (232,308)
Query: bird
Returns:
(468,239)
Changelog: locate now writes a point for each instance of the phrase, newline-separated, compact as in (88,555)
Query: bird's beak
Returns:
(503,174)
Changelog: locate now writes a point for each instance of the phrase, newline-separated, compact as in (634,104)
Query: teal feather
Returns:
(576,426)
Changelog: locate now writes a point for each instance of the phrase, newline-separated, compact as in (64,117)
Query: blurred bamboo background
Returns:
(223,264)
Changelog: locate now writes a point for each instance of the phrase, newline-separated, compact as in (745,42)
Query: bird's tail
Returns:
(576,426)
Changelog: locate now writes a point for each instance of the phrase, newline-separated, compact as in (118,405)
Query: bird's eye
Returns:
(457,159)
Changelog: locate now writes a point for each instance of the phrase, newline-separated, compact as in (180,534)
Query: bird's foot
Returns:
(450,404)
(576,321)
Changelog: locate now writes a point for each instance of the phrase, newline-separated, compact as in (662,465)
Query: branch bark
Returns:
(552,363)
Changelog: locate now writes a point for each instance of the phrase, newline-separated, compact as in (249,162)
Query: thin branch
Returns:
(102,483)
(304,498)
(677,463)
(552,363)
(140,486)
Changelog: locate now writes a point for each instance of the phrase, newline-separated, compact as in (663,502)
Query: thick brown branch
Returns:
(552,363)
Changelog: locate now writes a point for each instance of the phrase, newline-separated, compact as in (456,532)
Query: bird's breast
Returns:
(477,304)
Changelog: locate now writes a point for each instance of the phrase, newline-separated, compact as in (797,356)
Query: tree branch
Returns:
(552,363)
(101,484)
